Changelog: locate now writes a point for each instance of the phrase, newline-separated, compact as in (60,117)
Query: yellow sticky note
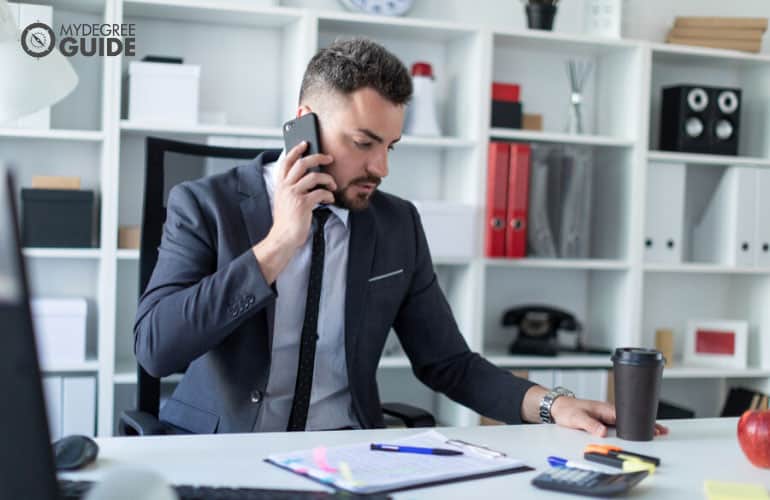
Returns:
(720,490)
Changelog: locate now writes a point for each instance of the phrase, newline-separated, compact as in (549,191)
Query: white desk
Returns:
(695,450)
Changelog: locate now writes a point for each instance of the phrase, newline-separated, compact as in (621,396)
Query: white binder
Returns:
(664,216)
(725,233)
(762,223)
(78,406)
(540,238)
(575,233)
(52,391)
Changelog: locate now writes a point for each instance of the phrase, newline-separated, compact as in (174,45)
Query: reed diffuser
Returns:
(577,73)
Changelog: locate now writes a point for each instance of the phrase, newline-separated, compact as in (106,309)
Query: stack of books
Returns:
(737,33)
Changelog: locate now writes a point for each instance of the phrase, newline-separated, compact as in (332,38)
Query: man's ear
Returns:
(303,109)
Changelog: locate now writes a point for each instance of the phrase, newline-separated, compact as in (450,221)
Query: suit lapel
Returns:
(360,259)
(257,213)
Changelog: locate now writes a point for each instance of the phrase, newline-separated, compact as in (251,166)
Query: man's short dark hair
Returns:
(348,65)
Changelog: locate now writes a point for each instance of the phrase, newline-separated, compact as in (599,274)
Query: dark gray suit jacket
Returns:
(208,305)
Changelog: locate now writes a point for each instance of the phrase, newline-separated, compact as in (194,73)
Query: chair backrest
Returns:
(168,163)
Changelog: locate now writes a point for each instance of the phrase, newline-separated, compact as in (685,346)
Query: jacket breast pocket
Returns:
(386,292)
(189,417)
(388,278)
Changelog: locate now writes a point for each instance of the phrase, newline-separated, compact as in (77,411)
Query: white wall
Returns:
(642,19)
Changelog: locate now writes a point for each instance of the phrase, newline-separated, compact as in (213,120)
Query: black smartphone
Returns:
(304,128)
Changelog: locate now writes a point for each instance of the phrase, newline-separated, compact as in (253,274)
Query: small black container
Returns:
(57,218)
(540,16)
(506,114)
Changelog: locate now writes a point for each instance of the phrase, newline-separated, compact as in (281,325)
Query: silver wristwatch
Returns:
(547,402)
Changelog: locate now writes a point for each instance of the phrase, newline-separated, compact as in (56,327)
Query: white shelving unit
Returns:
(62,253)
(618,297)
(88,366)
(702,159)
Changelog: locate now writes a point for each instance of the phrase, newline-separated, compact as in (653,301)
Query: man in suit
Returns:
(278,286)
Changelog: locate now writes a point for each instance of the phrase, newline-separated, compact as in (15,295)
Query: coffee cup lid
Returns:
(637,356)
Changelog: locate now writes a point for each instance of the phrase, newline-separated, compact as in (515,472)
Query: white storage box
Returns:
(60,327)
(449,227)
(160,92)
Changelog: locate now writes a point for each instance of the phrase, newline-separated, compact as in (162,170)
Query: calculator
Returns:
(587,482)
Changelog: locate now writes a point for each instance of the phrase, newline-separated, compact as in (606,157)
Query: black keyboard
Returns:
(76,490)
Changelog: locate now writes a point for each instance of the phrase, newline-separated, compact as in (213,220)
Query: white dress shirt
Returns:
(330,400)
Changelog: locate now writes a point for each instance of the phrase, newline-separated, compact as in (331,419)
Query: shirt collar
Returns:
(271,171)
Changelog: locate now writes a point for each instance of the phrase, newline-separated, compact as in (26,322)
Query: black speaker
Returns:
(698,119)
(723,132)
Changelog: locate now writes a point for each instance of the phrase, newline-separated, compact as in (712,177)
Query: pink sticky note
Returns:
(319,457)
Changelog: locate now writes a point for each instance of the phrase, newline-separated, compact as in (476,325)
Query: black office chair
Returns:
(169,163)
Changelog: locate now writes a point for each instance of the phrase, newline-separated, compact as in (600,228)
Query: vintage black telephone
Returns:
(538,327)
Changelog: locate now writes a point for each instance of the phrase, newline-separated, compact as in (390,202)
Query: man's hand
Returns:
(590,416)
(582,414)
(293,203)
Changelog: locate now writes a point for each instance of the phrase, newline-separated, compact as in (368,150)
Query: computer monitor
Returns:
(26,457)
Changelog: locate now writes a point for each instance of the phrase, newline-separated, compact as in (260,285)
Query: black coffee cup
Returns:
(637,373)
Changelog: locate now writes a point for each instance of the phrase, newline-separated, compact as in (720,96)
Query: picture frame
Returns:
(716,343)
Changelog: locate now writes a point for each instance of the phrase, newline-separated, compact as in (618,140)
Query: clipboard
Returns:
(370,472)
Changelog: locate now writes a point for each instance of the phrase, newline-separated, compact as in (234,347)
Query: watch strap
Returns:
(547,402)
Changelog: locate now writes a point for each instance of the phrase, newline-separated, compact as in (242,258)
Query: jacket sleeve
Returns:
(190,306)
(439,355)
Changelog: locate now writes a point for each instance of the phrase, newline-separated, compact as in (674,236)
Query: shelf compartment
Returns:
(673,65)
(670,301)
(219,36)
(610,94)
(31,157)
(598,300)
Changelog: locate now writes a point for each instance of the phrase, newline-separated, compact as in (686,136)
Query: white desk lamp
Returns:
(28,84)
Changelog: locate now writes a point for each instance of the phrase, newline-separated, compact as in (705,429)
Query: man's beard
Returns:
(358,202)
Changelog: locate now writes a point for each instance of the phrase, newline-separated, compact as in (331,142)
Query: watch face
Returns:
(379,7)
(38,40)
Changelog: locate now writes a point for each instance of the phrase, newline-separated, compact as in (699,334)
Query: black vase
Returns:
(540,16)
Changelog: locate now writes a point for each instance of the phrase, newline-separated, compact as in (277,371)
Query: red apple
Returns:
(754,436)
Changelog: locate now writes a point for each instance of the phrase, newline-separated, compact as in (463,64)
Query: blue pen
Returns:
(414,449)
(563,462)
